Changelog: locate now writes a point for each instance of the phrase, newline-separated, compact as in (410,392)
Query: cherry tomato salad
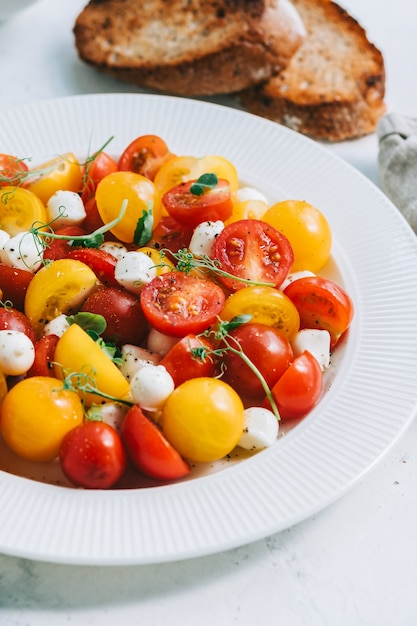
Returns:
(156,313)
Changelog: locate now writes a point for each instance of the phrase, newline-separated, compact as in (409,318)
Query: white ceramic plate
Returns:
(370,398)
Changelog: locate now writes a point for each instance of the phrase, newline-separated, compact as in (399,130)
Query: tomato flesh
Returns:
(190,209)
(252,250)
(177,304)
(149,450)
(145,155)
(322,304)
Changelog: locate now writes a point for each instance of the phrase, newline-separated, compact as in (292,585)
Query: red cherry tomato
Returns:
(182,363)
(122,311)
(149,450)
(266,348)
(321,304)
(92,455)
(252,249)
(101,262)
(191,209)
(60,248)
(13,319)
(170,235)
(177,304)
(96,169)
(44,356)
(11,170)
(93,220)
(299,388)
(145,155)
(13,284)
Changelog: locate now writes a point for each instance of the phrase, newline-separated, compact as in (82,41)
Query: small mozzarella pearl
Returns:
(151,386)
(295,276)
(135,357)
(118,250)
(315,341)
(134,270)
(57,326)
(204,236)
(22,251)
(260,429)
(65,208)
(159,343)
(17,352)
(249,193)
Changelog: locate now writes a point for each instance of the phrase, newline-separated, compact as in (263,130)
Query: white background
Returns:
(355,563)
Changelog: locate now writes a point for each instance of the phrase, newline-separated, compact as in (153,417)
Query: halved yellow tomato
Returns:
(141,195)
(62,173)
(266,305)
(60,287)
(161,262)
(184,168)
(20,209)
(77,353)
(247,210)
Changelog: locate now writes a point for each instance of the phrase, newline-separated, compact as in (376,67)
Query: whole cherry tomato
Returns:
(14,283)
(92,455)
(123,313)
(44,356)
(12,170)
(183,361)
(13,319)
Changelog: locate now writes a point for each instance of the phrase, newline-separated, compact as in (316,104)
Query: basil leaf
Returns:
(144,226)
(92,323)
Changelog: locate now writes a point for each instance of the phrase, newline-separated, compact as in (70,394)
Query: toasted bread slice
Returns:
(334,86)
(189,47)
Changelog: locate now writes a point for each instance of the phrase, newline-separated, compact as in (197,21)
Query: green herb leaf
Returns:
(93,323)
(144,227)
(203,184)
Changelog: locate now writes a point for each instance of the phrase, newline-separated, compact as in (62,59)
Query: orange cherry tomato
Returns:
(62,173)
(145,155)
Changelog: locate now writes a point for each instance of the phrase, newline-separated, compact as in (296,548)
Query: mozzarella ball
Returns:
(115,248)
(22,251)
(4,237)
(57,326)
(159,343)
(204,236)
(17,352)
(135,357)
(65,208)
(151,386)
(249,193)
(260,430)
(295,276)
(315,341)
(134,270)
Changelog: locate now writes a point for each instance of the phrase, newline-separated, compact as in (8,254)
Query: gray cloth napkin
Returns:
(397,163)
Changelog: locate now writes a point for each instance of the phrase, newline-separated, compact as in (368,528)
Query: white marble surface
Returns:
(355,563)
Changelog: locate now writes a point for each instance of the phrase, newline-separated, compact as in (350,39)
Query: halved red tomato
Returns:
(101,262)
(148,449)
(299,388)
(44,356)
(12,169)
(177,304)
(322,304)
(252,250)
(145,155)
(190,208)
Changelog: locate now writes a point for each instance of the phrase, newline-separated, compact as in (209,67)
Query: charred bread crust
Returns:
(334,86)
(189,47)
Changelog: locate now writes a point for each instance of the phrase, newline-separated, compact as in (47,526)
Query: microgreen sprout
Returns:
(205,183)
(85,383)
(92,240)
(186,262)
(227,343)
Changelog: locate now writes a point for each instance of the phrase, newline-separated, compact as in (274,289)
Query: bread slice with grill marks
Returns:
(189,47)
(334,86)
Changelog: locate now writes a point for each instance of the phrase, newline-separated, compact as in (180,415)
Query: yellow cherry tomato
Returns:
(247,210)
(35,416)
(76,352)
(60,287)
(266,305)
(62,173)
(141,195)
(307,230)
(20,209)
(183,168)
(203,419)
(161,262)
(3,386)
